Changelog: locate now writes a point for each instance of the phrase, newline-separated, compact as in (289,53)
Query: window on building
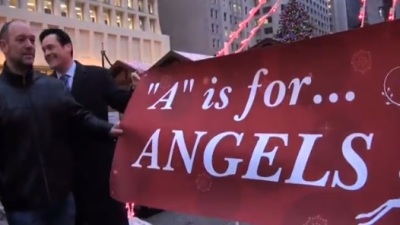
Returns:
(234,7)
(268,30)
(266,9)
(142,23)
(130,4)
(79,10)
(131,21)
(140,5)
(105,1)
(93,13)
(381,12)
(150,5)
(245,10)
(119,19)
(64,7)
(268,20)
(117,3)
(32,5)
(225,16)
(153,26)
(13,3)
(48,6)
(107,16)
(226,32)
(212,28)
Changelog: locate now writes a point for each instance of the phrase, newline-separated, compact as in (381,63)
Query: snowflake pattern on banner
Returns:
(362,61)
(316,220)
(206,80)
(204,182)
(166,82)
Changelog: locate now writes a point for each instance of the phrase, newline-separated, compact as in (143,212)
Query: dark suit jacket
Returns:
(94,88)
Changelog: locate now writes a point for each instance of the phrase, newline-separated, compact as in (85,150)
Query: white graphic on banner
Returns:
(379,212)
(387,90)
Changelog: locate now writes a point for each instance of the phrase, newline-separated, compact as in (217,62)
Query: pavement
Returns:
(165,218)
(172,218)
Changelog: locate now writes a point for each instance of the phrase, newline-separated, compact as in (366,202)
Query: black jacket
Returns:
(94,88)
(36,117)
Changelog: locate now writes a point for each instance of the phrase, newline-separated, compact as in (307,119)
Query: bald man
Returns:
(37,117)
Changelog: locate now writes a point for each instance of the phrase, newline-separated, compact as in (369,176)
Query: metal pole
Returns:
(102,52)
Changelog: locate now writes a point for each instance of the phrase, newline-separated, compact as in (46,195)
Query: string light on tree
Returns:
(294,24)
(260,23)
(234,35)
(363,8)
(392,11)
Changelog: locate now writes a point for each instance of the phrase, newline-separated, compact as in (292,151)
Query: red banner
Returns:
(300,134)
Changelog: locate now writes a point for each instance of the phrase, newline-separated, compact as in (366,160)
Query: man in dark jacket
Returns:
(37,115)
(95,89)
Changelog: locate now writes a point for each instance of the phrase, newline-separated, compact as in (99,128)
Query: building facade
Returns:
(377,11)
(202,26)
(327,16)
(338,10)
(127,30)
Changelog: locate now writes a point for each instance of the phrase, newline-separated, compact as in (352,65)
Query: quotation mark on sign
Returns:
(187,86)
(153,88)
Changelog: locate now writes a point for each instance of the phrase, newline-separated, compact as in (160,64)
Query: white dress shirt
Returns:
(70,73)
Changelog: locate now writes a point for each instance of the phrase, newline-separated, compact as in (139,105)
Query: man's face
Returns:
(19,45)
(55,54)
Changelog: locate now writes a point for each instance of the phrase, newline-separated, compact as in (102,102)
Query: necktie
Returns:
(65,78)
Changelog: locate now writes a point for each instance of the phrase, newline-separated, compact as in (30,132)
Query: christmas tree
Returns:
(294,24)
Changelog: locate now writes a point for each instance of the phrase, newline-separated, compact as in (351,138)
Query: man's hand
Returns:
(116,130)
(135,78)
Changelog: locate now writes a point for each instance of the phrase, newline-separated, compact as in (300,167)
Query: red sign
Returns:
(300,134)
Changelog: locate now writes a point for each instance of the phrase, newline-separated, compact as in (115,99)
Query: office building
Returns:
(353,11)
(338,11)
(202,26)
(377,11)
(127,30)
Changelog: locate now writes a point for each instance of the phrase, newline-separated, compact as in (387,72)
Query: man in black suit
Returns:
(94,88)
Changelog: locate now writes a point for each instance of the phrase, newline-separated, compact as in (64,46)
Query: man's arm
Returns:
(115,97)
(84,118)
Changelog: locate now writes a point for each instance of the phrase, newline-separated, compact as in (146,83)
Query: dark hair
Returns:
(62,36)
(5,29)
